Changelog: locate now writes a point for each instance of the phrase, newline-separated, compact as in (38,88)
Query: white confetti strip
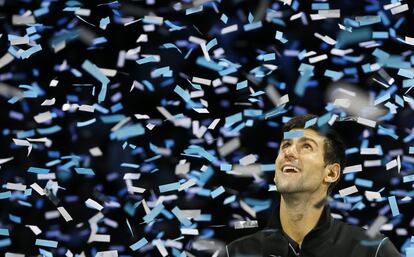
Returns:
(353,168)
(229,29)
(399,9)
(318,58)
(189,231)
(348,191)
(369,151)
(160,246)
(113,253)
(248,209)
(14,186)
(93,204)
(248,159)
(366,122)
(35,229)
(37,188)
(229,147)
(64,214)
(43,117)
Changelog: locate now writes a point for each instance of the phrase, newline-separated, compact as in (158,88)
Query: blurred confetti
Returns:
(150,128)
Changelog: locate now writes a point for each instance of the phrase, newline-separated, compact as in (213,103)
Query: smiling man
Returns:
(309,164)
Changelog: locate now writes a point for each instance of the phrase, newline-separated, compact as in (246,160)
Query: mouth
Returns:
(289,169)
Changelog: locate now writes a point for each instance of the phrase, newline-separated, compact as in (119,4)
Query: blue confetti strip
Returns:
(46,243)
(154,213)
(216,192)
(5,195)
(38,170)
(394,207)
(139,244)
(4,232)
(5,242)
(147,59)
(229,199)
(169,187)
(96,73)
(128,132)
(293,134)
(177,212)
(85,171)
(103,23)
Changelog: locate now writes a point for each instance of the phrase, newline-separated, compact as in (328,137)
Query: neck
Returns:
(298,215)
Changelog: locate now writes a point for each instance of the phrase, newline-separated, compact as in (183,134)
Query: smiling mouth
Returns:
(290,169)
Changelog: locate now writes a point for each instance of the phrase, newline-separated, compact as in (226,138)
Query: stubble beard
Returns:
(291,187)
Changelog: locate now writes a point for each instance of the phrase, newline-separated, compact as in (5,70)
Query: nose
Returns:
(290,151)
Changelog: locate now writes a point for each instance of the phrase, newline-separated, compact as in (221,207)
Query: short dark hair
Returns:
(334,147)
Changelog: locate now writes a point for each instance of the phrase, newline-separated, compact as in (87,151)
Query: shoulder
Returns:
(379,245)
(354,231)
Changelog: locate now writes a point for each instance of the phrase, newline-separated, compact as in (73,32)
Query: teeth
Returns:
(290,168)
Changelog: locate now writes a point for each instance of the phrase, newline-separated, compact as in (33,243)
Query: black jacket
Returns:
(330,237)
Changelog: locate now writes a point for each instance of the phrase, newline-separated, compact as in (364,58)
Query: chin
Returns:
(290,189)
(287,191)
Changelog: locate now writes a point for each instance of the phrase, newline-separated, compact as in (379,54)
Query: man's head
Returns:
(311,162)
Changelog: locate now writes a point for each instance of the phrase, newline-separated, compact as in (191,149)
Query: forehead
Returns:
(310,133)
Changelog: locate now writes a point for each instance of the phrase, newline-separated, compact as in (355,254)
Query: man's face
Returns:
(300,165)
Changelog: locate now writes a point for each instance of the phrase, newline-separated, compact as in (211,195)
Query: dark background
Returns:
(262,138)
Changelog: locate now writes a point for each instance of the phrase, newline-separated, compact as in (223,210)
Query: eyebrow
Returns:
(301,139)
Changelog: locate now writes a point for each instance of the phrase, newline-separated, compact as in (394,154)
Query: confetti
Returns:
(347,191)
(113,253)
(177,212)
(370,151)
(366,122)
(393,204)
(46,243)
(95,72)
(154,212)
(14,186)
(189,231)
(279,36)
(35,229)
(5,242)
(6,59)
(399,9)
(93,204)
(139,244)
(85,171)
(4,232)
(229,29)
(218,191)
(64,214)
(122,109)
(160,246)
(246,224)
(38,170)
(375,227)
(293,134)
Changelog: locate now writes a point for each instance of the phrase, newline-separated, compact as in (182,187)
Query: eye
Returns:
(307,146)
(285,145)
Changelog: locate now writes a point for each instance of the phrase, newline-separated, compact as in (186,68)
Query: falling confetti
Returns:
(150,128)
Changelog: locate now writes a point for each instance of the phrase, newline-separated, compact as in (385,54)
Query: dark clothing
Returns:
(330,237)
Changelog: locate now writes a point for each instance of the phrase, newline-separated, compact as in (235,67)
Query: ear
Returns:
(333,172)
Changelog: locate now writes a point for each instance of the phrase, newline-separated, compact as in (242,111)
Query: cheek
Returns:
(277,160)
(314,162)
